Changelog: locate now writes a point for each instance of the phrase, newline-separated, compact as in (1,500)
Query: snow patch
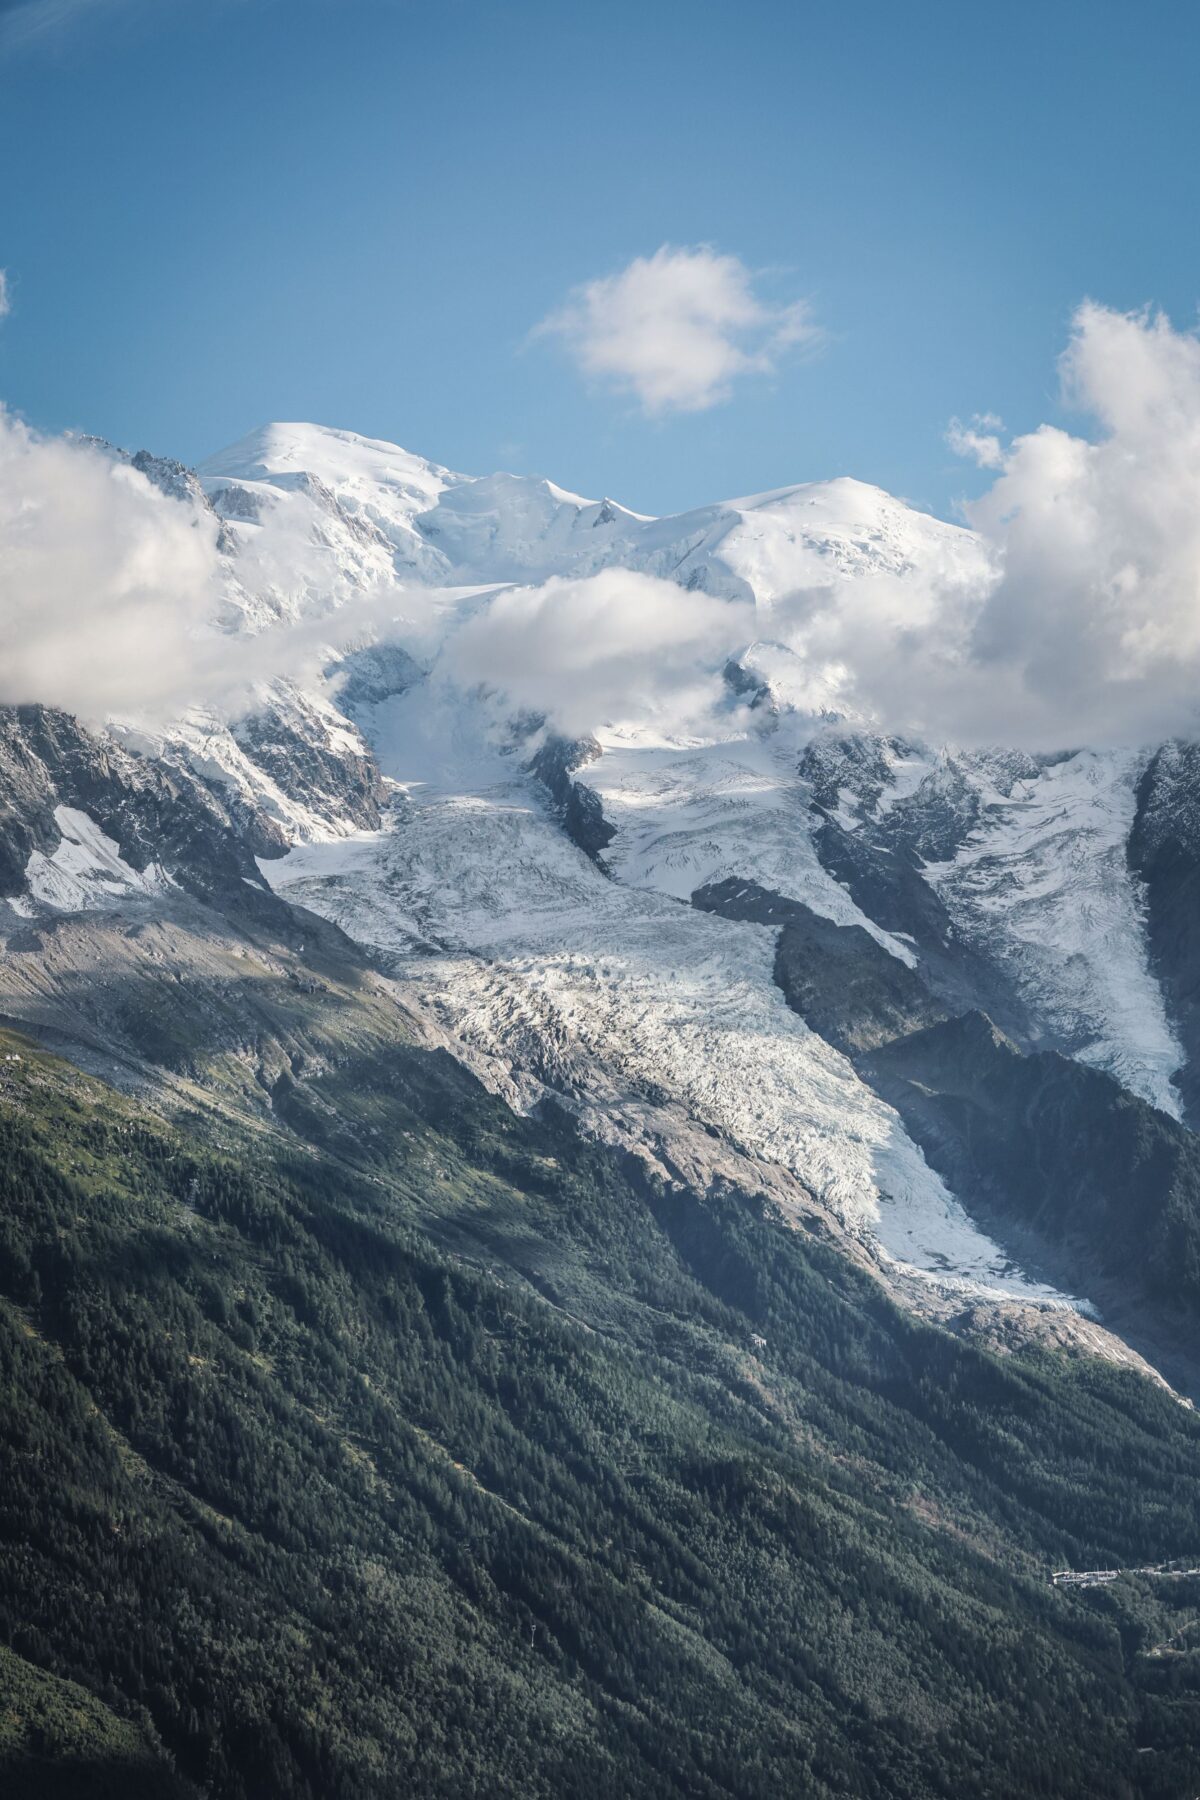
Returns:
(1042,885)
(87,870)
(689,816)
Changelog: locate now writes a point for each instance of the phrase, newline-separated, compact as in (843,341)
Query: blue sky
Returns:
(358,210)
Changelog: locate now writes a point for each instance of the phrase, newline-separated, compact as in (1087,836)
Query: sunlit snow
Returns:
(1044,886)
(87,869)
(526,950)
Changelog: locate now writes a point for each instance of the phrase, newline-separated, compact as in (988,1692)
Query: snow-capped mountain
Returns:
(468,530)
(720,923)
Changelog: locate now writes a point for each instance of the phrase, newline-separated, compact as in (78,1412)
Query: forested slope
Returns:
(427,1449)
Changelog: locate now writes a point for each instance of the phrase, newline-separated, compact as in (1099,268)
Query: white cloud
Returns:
(977,441)
(104,581)
(5,297)
(614,646)
(675,330)
(1092,630)
(111,591)
(1087,629)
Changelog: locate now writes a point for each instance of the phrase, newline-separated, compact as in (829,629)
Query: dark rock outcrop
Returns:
(578,807)
(1164,850)
(293,744)
(840,979)
(1055,1149)
(376,673)
(886,882)
(155,811)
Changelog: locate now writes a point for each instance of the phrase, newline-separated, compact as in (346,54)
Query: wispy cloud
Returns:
(678,329)
(5,296)
(618,645)
(23,21)
(978,441)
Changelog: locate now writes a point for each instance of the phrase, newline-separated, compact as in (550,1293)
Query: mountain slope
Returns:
(1003,877)
(1058,1147)
(385,1516)
(581,1261)
(59,1741)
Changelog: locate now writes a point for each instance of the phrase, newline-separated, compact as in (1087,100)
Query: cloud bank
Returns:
(1094,622)
(1070,615)
(1089,631)
(613,646)
(677,329)
(105,583)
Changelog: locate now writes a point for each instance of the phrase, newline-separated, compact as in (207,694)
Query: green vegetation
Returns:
(58,1740)
(425,1449)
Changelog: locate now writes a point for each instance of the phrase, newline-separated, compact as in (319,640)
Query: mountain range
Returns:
(581,1215)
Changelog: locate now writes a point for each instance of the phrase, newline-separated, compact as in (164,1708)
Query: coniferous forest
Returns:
(439,1452)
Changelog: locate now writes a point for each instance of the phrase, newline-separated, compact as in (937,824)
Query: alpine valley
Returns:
(578,1218)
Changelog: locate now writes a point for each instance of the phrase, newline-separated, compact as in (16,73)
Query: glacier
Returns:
(588,985)
(592,977)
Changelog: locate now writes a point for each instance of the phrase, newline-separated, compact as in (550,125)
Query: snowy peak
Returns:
(858,527)
(520,528)
(766,547)
(407,757)
(376,487)
(444,526)
(341,459)
(503,527)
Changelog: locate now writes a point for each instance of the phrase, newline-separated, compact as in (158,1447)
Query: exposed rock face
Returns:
(1056,1148)
(172,478)
(745,684)
(372,675)
(155,812)
(935,816)
(240,504)
(837,977)
(838,762)
(1164,849)
(887,882)
(932,822)
(139,933)
(316,760)
(578,808)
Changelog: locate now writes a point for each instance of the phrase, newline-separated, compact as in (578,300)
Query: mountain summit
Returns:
(581,1212)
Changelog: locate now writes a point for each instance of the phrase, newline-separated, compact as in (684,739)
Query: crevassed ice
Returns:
(538,952)
(690,816)
(1044,886)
